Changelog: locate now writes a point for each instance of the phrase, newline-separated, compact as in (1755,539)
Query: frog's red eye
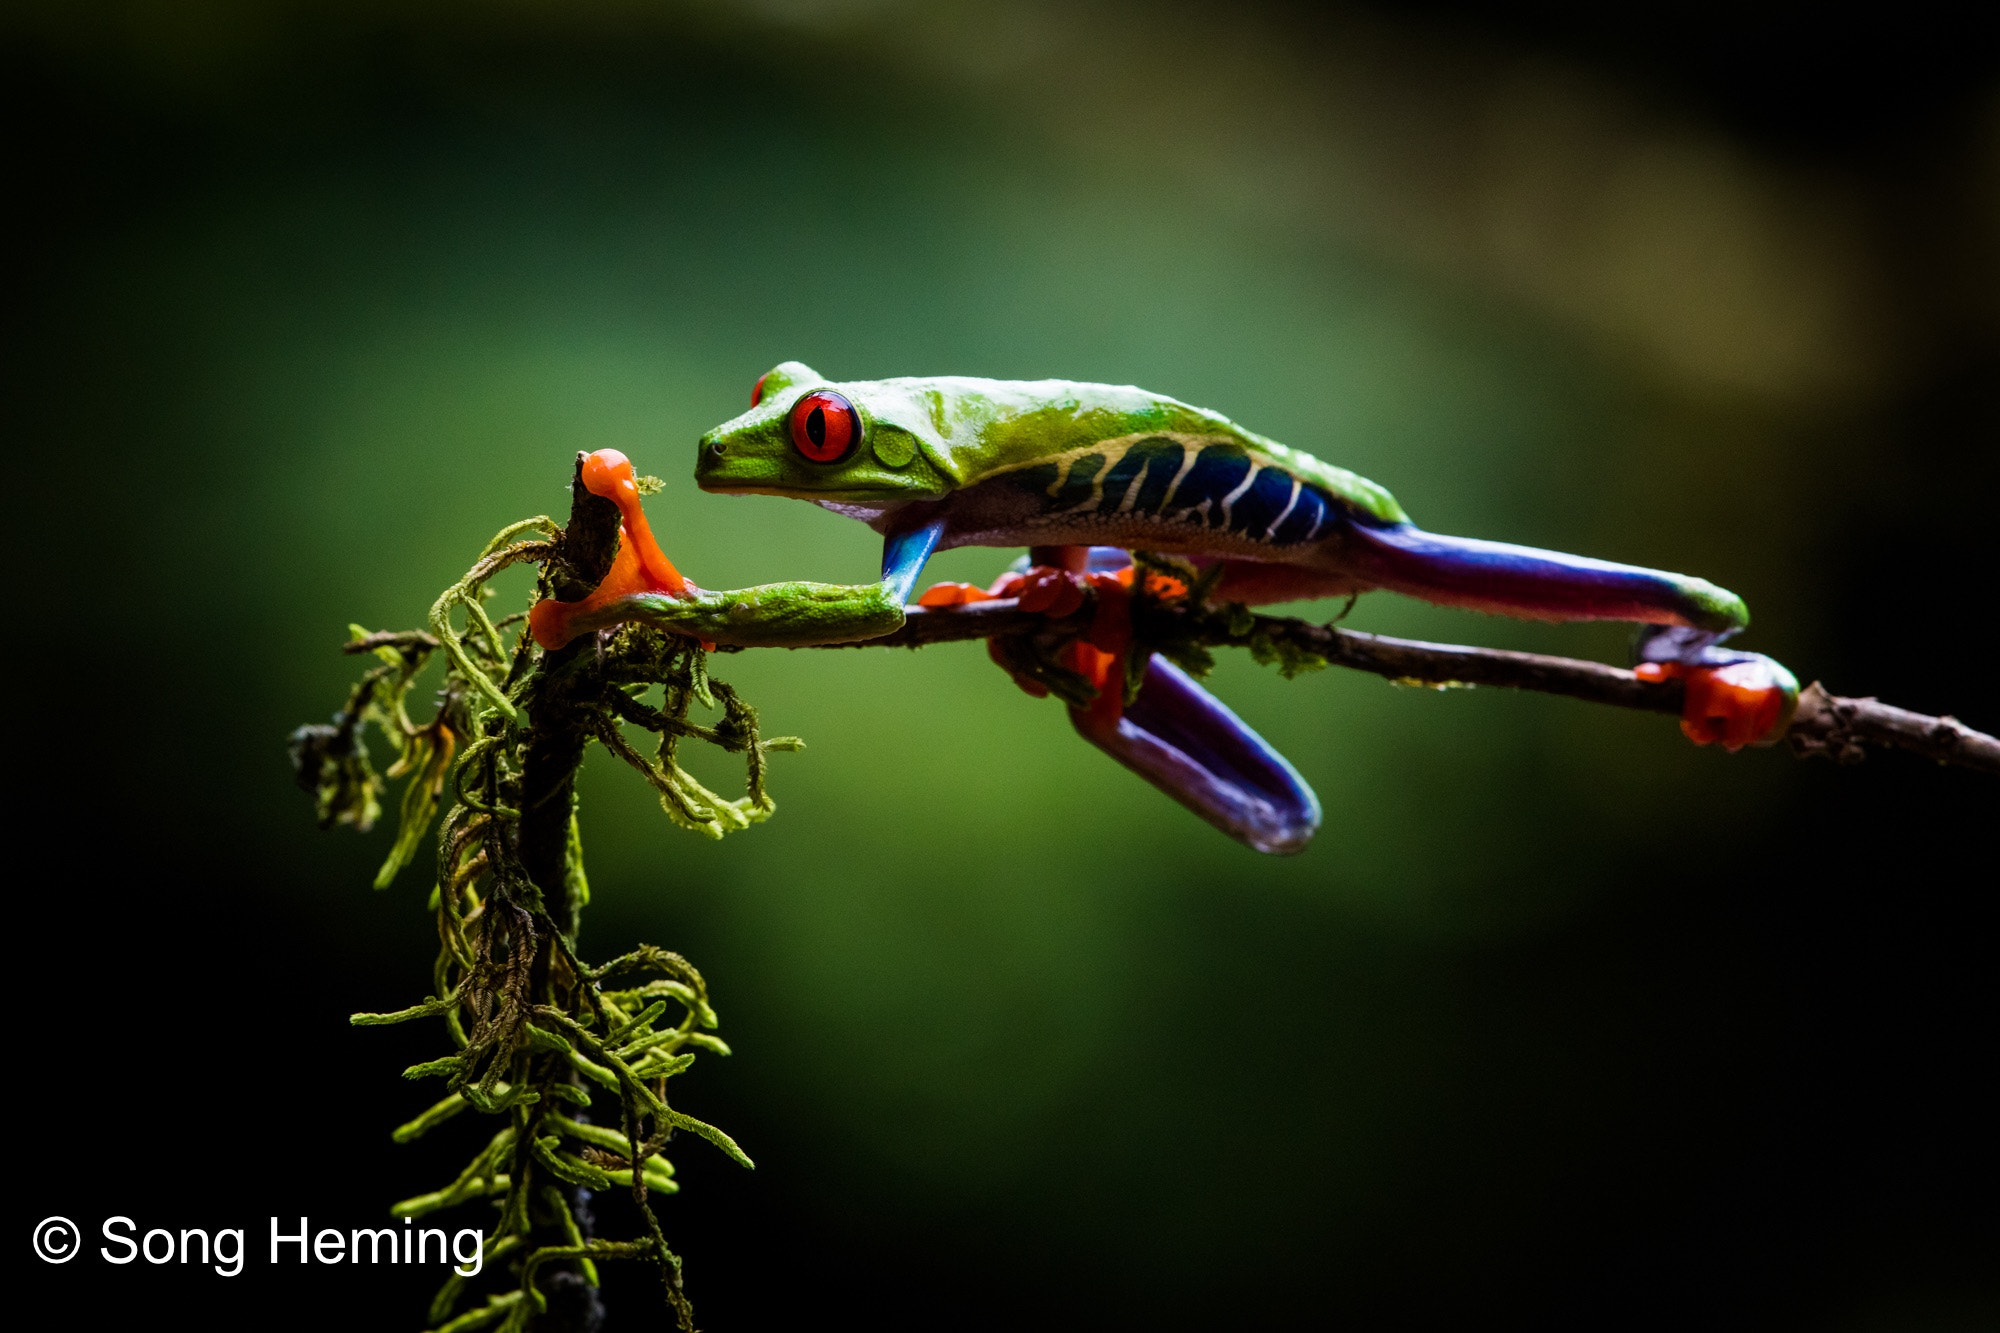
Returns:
(757,390)
(825,427)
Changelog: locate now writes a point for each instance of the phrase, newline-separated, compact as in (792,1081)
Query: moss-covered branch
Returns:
(573,1062)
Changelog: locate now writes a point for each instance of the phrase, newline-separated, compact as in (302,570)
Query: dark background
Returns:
(1560,1019)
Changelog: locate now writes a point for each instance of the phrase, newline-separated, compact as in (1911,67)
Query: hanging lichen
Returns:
(572,1060)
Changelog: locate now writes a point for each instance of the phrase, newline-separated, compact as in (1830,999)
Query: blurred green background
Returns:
(1559,1018)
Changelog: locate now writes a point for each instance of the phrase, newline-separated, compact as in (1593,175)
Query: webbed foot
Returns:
(640,567)
(1054,582)
(940,595)
(1733,698)
(1047,589)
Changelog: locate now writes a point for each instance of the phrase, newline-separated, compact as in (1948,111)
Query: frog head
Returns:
(859,444)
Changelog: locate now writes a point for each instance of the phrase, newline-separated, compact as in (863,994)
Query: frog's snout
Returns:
(710,454)
(712,459)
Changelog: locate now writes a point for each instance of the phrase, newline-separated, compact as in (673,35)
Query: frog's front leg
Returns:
(783,615)
(772,615)
(643,585)
(1733,698)
(797,615)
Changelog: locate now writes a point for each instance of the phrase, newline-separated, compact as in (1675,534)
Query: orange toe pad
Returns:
(1731,706)
(1051,592)
(953,594)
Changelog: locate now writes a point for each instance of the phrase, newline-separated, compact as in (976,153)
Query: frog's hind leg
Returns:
(1534,584)
(1733,698)
(1175,734)
(1186,742)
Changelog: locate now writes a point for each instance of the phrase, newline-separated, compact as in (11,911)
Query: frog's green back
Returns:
(930,436)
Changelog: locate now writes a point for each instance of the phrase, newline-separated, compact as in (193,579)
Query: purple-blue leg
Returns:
(1534,584)
(1186,742)
(1732,698)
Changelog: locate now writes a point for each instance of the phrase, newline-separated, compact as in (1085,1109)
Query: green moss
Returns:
(542,1041)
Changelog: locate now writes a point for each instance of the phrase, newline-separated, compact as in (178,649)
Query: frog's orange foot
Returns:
(1737,704)
(1111,623)
(953,594)
(639,567)
(548,621)
(1098,655)
(1106,673)
(1052,592)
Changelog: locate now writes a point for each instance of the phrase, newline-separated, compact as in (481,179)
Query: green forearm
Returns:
(771,615)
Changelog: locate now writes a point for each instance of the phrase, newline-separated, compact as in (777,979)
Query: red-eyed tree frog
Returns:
(1084,473)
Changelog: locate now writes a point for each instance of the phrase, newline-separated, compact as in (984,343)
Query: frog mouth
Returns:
(749,475)
(864,505)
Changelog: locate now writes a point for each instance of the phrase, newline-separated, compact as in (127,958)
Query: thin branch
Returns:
(1825,725)
(1835,728)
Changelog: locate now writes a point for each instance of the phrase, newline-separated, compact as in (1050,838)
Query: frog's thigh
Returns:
(1263,583)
